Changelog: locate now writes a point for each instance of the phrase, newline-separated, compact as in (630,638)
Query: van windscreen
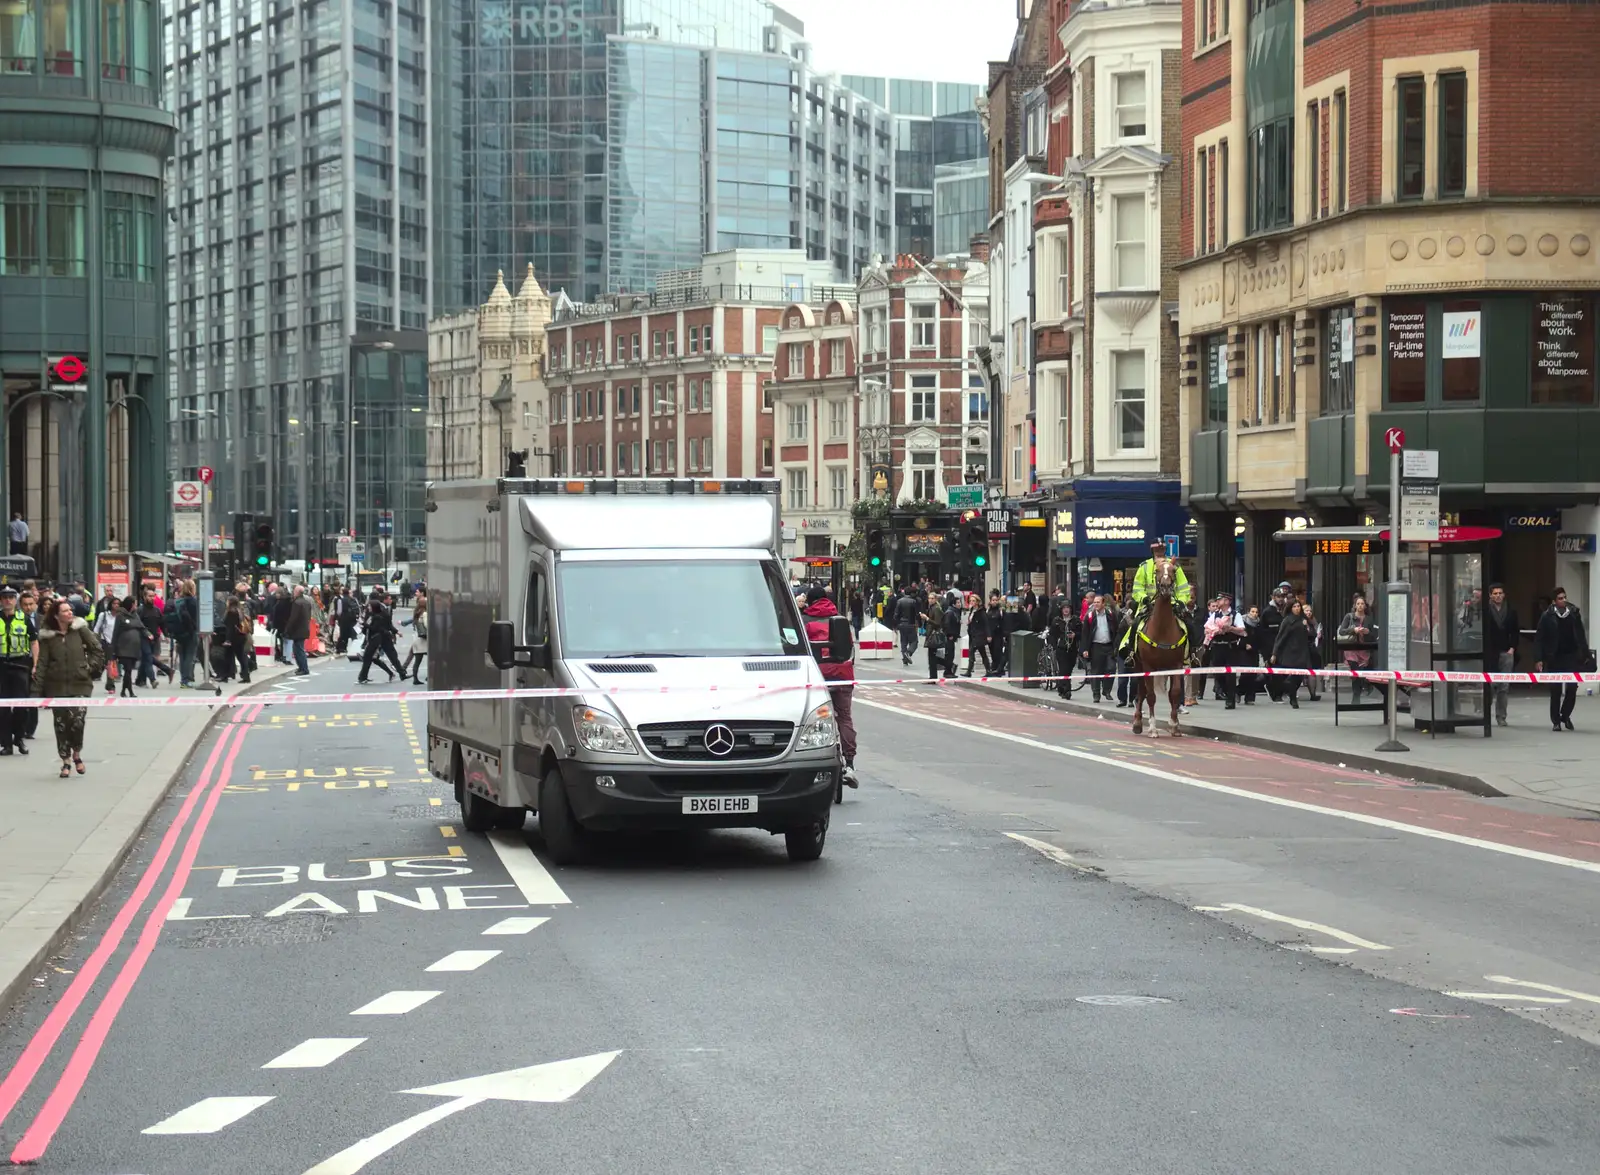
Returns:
(686,608)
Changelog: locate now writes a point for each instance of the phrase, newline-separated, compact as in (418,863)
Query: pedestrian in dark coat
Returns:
(1563,648)
(1291,649)
(1502,631)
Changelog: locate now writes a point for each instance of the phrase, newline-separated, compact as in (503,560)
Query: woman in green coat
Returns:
(70,661)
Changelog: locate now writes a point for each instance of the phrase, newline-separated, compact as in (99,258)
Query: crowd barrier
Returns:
(1406,677)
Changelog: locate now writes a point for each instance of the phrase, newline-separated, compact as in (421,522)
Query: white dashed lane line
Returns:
(516,925)
(315,1053)
(462,961)
(208,1115)
(395,1003)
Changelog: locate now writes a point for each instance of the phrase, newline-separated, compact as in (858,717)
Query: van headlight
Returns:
(598,731)
(819,730)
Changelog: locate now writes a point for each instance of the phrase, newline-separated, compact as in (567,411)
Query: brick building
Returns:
(924,417)
(675,382)
(816,415)
(1105,246)
(1389,223)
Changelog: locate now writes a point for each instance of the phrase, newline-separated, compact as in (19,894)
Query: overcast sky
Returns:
(936,40)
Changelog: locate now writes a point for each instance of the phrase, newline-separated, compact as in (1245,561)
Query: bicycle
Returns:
(1047,662)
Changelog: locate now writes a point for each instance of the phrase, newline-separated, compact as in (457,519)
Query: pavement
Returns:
(1525,759)
(1031,935)
(62,839)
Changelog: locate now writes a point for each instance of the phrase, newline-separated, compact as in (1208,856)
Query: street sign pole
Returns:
(1395,641)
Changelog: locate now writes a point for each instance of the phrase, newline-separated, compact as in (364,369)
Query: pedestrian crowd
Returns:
(1086,633)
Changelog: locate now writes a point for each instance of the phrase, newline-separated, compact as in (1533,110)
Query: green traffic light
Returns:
(876,561)
(262,560)
(980,560)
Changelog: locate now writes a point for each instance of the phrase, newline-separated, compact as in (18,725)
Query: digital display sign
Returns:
(1341,547)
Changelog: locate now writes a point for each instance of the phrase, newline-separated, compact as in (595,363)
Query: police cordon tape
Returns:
(1411,677)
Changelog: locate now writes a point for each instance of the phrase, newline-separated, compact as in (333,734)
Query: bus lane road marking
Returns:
(1334,932)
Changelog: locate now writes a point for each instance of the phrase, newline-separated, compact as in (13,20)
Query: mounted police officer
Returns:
(1144,595)
(18,648)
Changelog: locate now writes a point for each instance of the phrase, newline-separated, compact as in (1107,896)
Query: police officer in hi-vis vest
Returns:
(18,648)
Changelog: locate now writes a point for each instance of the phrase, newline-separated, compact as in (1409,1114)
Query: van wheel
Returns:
(564,838)
(477,813)
(805,842)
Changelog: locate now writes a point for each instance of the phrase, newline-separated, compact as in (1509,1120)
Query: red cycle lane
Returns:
(1251,770)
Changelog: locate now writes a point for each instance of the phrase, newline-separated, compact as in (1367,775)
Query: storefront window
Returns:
(63,55)
(1563,350)
(63,232)
(19,37)
(1405,339)
(1461,347)
(1339,360)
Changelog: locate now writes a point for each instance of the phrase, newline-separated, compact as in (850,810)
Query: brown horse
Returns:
(1161,644)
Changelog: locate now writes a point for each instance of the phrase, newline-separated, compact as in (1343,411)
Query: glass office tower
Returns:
(632,136)
(935,123)
(301,243)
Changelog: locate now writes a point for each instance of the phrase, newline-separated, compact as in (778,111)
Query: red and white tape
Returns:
(1412,677)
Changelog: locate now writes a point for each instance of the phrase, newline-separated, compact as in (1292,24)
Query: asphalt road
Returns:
(935,995)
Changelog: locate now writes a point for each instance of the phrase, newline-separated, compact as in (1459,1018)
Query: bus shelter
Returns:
(1445,626)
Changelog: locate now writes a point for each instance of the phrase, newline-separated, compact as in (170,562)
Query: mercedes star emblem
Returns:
(719,740)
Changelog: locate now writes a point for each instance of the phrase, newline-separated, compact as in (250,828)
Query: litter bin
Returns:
(1024,661)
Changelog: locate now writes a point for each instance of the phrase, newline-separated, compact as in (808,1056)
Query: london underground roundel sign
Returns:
(69,369)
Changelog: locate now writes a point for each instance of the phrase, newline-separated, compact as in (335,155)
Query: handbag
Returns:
(1588,665)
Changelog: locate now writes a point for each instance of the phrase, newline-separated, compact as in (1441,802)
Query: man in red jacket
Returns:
(841,677)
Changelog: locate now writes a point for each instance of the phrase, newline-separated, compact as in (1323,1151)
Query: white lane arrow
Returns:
(555,1081)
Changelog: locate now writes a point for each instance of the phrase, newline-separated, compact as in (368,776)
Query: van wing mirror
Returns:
(503,644)
(841,639)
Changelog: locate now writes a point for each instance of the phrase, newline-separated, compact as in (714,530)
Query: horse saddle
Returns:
(1180,643)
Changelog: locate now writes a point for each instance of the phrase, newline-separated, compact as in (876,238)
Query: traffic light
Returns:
(262,539)
(975,539)
(875,557)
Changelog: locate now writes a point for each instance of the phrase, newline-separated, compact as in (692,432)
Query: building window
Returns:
(1452,134)
(1214,357)
(1130,89)
(1341,150)
(19,231)
(693,455)
(1129,407)
(797,361)
(622,348)
(635,341)
(977,407)
(63,232)
(797,416)
(694,340)
(1211,22)
(838,487)
(1313,157)
(836,357)
(1272,382)
(1411,173)
(634,458)
(1016,452)
(1271,175)
(622,401)
(1063,409)
(667,397)
(658,344)
(622,457)
(769,340)
(57,30)
(875,331)
(1339,361)
(1064,275)
(1129,214)
(125,41)
(766,455)
(924,398)
(838,419)
(672,342)
(1222,194)
(797,489)
(1461,347)
(924,476)
(924,325)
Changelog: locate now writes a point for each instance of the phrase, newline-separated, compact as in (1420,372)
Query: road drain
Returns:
(292,930)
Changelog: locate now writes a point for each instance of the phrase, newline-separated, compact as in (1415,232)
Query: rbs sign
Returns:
(535,24)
